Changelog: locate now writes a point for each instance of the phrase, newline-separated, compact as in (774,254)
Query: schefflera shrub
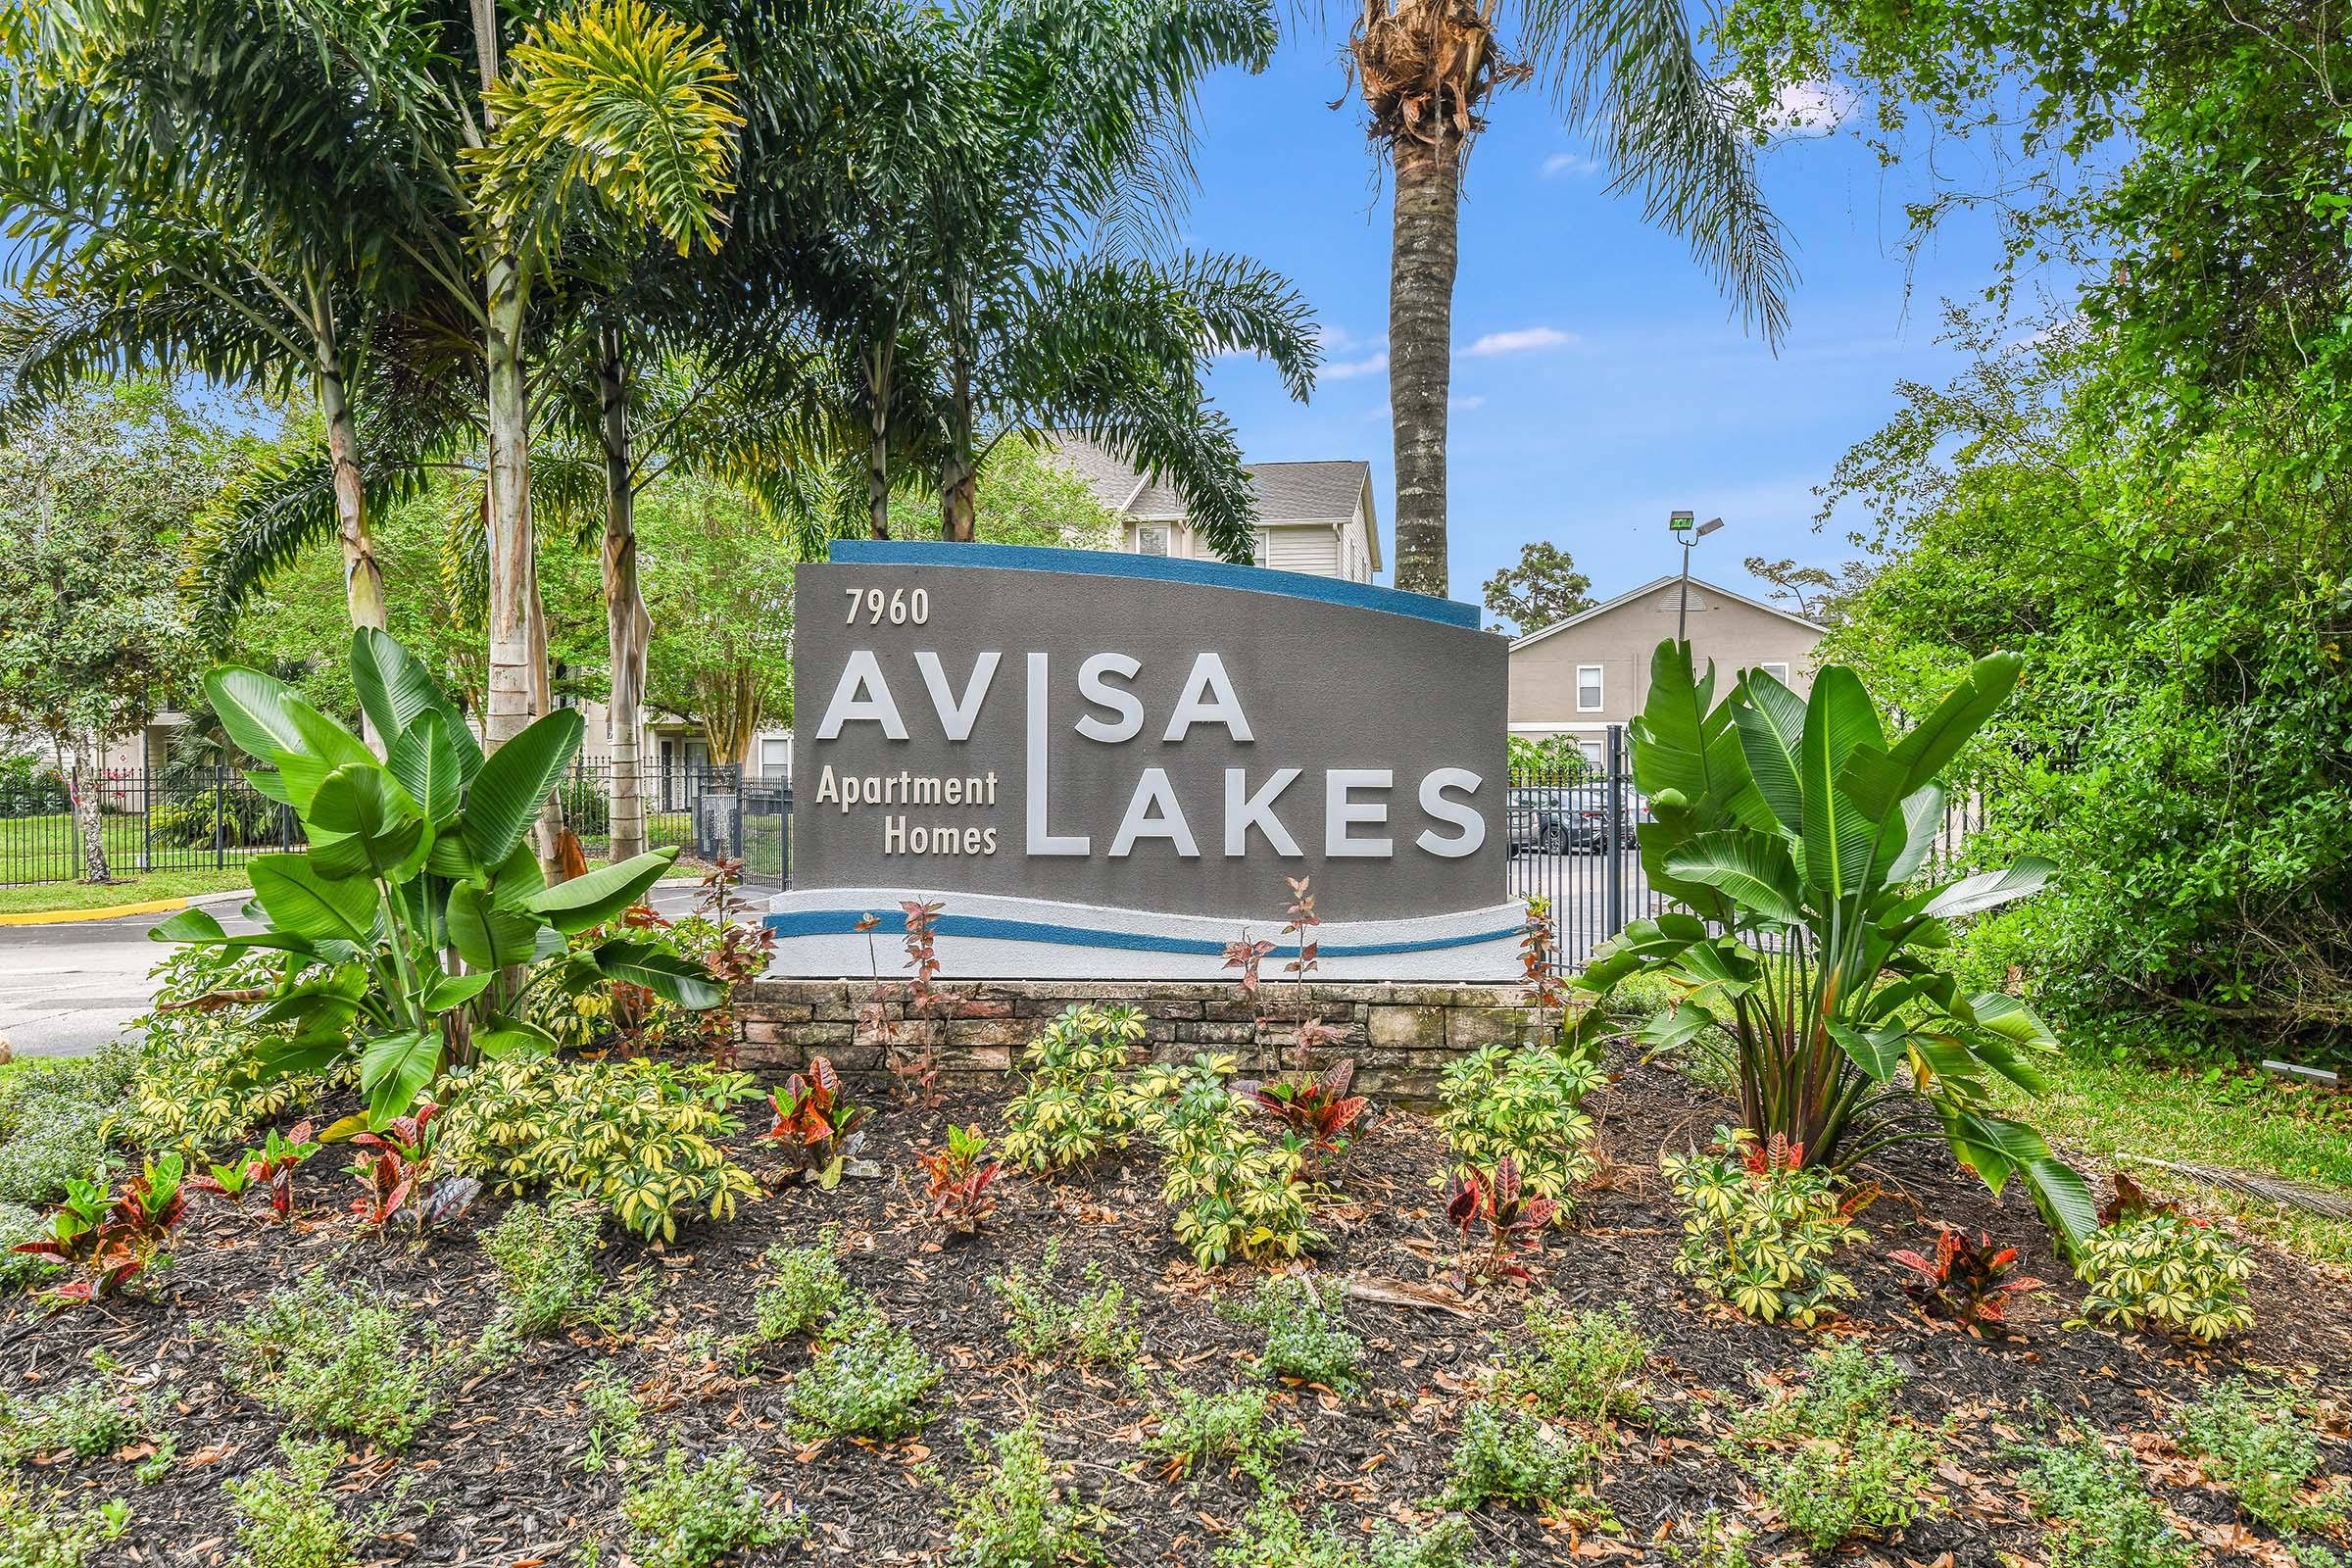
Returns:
(2164,1270)
(1526,1105)
(1759,1227)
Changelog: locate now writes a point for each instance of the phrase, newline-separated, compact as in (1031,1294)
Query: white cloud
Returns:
(1811,107)
(1348,369)
(1523,340)
(1466,403)
(1575,165)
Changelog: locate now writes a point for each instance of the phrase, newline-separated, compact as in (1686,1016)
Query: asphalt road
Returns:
(66,990)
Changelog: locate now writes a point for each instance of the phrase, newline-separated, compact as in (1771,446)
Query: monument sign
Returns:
(1108,764)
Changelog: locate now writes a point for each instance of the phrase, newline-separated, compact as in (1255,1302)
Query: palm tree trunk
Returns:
(509,705)
(629,629)
(362,575)
(1421,268)
(959,475)
(877,440)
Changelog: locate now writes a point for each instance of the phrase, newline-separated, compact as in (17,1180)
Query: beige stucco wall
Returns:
(1735,635)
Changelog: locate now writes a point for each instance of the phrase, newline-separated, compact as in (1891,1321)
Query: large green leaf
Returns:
(188,926)
(393,1069)
(430,767)
(1877,1052)
(515,780)
(1996,1148)
(1837,834)
(1772,728)
(1914,826)
(1684,742)
(1874,777)
(255,710)
(1989,890)
(574,907)
(395,692)
(1752,869)
(303,903)
(363,823)
(489,935)
(664,973)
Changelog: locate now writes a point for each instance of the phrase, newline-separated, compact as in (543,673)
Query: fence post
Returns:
(1614,888)
(147,819)
(219,812)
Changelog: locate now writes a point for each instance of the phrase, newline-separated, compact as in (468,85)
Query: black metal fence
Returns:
(1572,842)
(163,820)
(199,818)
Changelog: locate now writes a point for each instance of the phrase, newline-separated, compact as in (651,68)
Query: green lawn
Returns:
(131,889)
(48,848)
(2247,1121)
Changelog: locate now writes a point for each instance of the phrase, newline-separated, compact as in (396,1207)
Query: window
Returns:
(1588,688)
(1265,547)
(776,756)
(1592,750)
(1151,541)
(1779,673)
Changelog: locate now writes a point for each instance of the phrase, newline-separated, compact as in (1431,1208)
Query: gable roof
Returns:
(1599,609)
(1330,491)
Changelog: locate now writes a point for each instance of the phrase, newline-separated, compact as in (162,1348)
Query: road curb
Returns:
(117,911)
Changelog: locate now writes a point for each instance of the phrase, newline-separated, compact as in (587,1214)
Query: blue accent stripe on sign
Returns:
(1161,568)
(842,922)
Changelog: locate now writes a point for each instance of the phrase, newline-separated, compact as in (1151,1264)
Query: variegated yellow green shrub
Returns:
(1076,1105)
(1759,1227)
(638,1137)
(2169,1271)
(1527,1104)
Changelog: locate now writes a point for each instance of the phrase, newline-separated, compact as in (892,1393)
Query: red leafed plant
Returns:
(922,951)
(816,1121)
(399,1179)
(112,1237)
(270,1167)
(1245,955)
(1512,1222)
(1546,991)
(958,1181)
(1965,1281)
(1319,1112)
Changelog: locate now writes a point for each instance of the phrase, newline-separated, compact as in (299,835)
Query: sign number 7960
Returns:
(899,607)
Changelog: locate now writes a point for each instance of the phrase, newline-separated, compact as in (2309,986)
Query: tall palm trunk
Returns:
(1427,66)
(1421,270)
(510,705)
(629,629)
(363,574)
(878,437)
(960,474)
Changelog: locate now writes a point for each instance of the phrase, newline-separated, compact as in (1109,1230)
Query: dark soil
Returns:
(494,1478)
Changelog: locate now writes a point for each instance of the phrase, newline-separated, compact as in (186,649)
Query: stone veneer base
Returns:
(1401,1036)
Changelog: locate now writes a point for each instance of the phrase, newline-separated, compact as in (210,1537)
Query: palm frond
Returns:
(1628,71)
(2328,1202)
(617,100)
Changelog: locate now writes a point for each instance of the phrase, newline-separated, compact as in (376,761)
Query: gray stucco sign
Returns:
(1113,762)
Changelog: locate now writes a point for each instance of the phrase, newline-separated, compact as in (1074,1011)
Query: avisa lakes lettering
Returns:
(1354,802)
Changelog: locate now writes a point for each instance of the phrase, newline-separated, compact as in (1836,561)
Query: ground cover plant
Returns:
(1350,1408)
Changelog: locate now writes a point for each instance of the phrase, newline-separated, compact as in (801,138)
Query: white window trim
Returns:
(1777,670)
(1599,696)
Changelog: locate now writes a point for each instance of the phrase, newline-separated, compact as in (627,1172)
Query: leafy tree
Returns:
(2178,747)
(1819,594)
(1543,588)
(1625,70)
(719,590)
(94,492)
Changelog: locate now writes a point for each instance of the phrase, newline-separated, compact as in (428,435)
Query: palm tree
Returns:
(612,108)
(258,251)
(1050,301)
(1625,70)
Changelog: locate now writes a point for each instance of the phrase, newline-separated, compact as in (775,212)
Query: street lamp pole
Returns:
(1681,522)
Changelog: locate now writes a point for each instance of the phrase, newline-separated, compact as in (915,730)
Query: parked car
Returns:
(1557,820)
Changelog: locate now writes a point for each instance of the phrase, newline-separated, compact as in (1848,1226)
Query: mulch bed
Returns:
(495,1479)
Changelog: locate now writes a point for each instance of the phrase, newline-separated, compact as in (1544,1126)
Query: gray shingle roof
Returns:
(1286,492)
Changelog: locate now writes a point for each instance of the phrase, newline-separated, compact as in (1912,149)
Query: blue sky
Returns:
(1613,386)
